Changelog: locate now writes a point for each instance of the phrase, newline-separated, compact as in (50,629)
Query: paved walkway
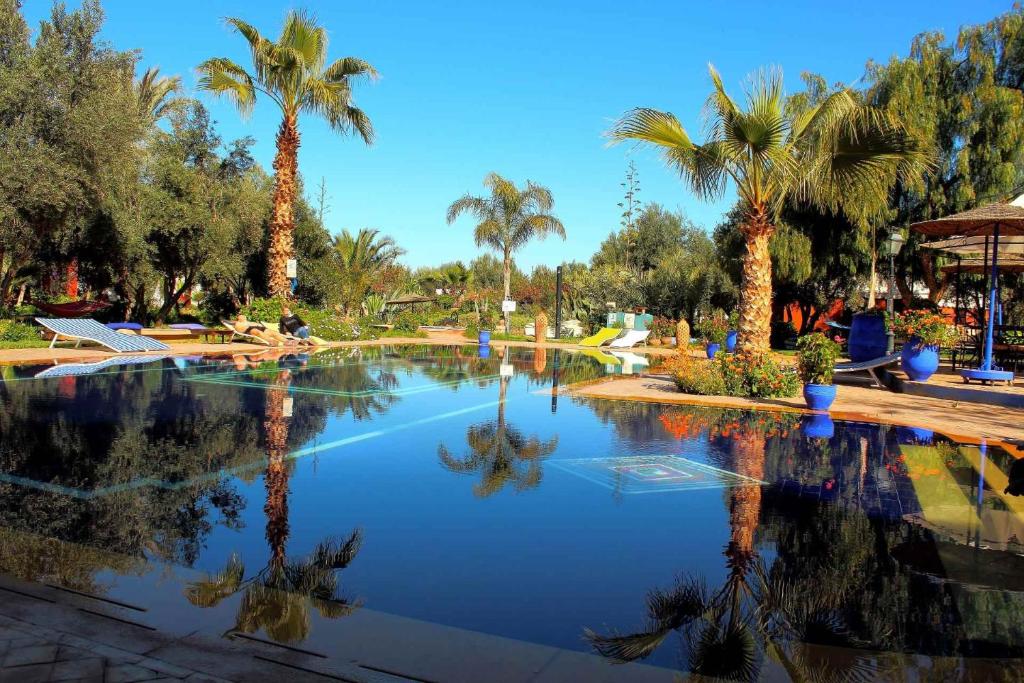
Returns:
(964,421)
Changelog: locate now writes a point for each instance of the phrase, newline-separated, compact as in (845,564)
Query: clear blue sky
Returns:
(525,89)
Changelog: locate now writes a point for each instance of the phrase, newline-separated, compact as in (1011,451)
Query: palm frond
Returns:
(305,38)
(626,647)
(224,78)
(349,67)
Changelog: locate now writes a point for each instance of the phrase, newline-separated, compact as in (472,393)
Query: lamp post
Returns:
(893,244)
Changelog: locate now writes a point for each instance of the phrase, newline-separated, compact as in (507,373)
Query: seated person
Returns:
(260,331)
(293,325)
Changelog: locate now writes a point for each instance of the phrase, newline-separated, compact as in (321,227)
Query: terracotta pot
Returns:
(666,341)
(540,327)
(655,341)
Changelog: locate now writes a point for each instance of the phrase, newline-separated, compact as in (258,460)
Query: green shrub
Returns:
(11,331)
(695,375)
(265,309)
(816,358)
(407,321)
(714,328)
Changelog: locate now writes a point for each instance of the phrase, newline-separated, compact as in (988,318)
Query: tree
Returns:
(294,74)
(156,94)
(965,100)
(835,153)
(508,219)
(360,258)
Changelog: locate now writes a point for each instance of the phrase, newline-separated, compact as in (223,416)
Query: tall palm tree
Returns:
(361,257)
(508,219)
(830,150)
(292,72)
(156,94)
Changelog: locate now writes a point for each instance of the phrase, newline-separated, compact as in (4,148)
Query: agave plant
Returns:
(374,305)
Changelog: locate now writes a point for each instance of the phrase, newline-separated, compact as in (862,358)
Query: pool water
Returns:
(460,487)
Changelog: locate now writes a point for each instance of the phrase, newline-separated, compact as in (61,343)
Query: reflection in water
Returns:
(500,452)
(277,599)
(880,545)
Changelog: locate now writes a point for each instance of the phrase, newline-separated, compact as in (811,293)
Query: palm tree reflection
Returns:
(278,597)
(500,452)
(729,631)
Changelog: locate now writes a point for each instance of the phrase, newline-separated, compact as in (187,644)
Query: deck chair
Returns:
(630,339)
(79,369)
(603,335)
(87,329)
(600,356)
(235,333)
(870,367)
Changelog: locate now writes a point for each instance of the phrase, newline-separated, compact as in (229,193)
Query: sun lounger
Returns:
(870,366)
(87,329)
(605,334)
(600,356)
(235,333)
(79,369)
(630,339)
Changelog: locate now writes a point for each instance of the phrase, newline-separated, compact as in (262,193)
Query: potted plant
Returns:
(714,329)
(486,325)
(816,362)
(926,332)
(731,334)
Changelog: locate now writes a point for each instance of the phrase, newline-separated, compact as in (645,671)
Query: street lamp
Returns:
(893,245)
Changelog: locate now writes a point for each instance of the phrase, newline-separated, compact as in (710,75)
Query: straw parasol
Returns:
(989,221)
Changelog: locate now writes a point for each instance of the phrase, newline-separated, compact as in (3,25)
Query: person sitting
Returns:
(260,331)
(292,324)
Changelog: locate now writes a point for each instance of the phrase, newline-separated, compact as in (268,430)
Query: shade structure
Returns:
(1004,219)
(409,299)
(988,222)
(978,245)
(979,266)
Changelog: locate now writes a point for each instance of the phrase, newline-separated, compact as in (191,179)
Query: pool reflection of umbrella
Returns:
(991,221)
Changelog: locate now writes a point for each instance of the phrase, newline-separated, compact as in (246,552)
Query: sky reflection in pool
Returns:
(419,481)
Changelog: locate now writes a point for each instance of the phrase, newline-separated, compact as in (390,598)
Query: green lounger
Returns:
(603,335)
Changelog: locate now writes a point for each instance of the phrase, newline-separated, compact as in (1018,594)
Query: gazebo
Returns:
(978,232)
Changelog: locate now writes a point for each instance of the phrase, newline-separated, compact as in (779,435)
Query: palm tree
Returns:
(361,257)
(155,94)
(294,74)
(828,149)
(509,218)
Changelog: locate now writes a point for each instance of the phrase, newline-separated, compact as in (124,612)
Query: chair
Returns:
(603,335)
(79,369)
(630,339)
(87,329)
(235,333)
(870,367)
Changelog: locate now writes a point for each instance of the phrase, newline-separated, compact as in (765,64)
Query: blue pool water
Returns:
(430,483)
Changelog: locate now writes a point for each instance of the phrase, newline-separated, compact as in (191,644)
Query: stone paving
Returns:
(30,653)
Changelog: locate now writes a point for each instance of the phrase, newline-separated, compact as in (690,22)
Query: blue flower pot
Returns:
(713,350)
(819,396)
(919,362)
(730,341)
(867,339)
(484,338)
(818,426)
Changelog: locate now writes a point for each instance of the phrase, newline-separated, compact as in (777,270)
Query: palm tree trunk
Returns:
(756,286)
(282,223)
(507,266)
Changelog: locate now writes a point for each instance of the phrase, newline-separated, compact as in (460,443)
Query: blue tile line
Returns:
(293,455)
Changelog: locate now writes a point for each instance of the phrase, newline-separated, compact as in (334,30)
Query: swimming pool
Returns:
(424,491)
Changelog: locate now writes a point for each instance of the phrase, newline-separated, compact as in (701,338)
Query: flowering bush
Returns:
(816,356)
(930,329)
(663,327)
(754,375)
(743,375)
(695,375)
(714,328)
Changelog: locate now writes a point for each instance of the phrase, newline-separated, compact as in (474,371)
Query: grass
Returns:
(24,344)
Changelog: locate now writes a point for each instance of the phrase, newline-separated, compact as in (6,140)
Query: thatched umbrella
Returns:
(991,221)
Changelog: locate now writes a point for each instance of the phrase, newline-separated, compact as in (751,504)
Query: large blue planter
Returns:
(819,396)
(919,362)
(713,349)
(819,426)
(868,339)
(484,337)
(730,341)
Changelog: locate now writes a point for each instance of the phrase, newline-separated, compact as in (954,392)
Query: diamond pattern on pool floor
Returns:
(651,473)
